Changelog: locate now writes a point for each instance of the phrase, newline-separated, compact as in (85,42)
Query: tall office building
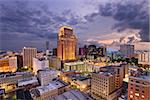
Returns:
(66,44)
(127,50)
(47,48)
(28,55)
(101,51)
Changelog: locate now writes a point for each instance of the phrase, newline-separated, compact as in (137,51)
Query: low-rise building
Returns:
(46,76)
(8,64)
(54,62)
(47,92)
(72,95)
(9,81)
(39,63)
(32,81)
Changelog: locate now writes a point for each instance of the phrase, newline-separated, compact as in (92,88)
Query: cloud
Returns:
(21,17)
(26,20)
(128,14)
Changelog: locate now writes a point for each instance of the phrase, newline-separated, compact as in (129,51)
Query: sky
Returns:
(33,22)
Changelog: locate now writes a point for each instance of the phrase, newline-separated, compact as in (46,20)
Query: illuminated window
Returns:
(136,94)
(131,96)
(142,96)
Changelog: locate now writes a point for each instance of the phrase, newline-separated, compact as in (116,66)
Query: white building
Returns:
(47,92)
(39,64)
(46,76)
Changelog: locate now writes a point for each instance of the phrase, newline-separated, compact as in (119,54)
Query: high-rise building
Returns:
(28,55)
(66,44)
(47,48)
(19,60)
(127,50)
(54,51)
(101,51)
(139,87)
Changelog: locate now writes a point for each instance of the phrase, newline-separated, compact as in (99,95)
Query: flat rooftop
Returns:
(27,81)
(106,73)
(72,95)
(55,84)
(74,63)
(145,76)
(80,78)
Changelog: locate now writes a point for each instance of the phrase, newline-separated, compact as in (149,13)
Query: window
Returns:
(137,82)
(131,96)
(137,86)
(142,96)
(137,89)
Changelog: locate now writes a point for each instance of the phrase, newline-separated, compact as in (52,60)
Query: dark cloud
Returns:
(20,17)
(128,14)
(29,20)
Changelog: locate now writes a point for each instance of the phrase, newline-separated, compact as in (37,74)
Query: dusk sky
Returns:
(32,22)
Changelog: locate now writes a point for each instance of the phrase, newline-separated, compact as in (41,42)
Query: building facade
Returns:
(46,76)
(107,84)
(28,55)
(8,64)
(144,58)
(139,87)
(66,44)
(127,50)
(39,64)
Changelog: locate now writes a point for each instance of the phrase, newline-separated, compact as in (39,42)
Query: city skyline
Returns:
(32,23)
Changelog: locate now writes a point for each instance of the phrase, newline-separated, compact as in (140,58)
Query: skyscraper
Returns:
(28,55)
(66,44)
(127,50)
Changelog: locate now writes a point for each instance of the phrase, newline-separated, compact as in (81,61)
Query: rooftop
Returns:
(106,73)
(27,81)
(72,95)
(55,84)
(74,63)
(144,76)
(80,78)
